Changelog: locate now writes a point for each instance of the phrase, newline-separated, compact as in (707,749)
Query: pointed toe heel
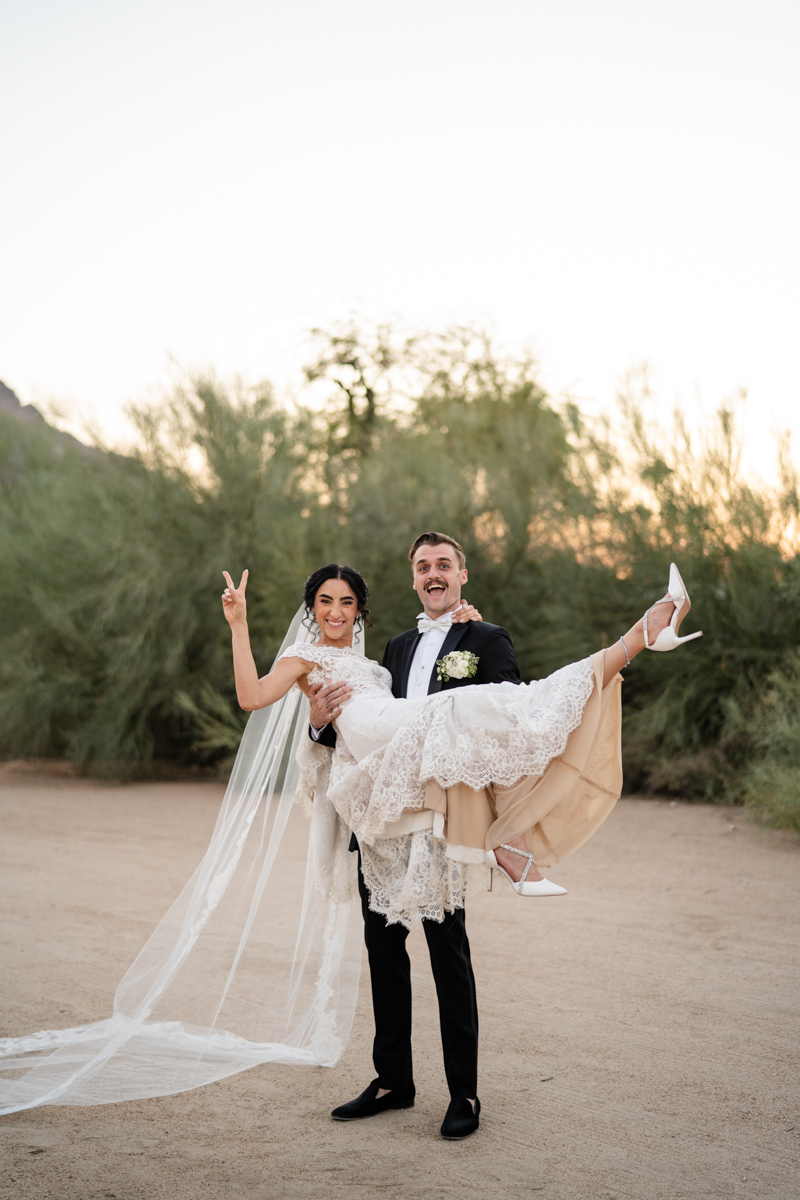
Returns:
(523,886)
(668,638)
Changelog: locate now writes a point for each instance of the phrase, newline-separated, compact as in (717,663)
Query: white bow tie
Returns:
(424,622)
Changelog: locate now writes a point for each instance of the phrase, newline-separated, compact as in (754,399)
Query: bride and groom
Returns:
(434,775)
(442,762)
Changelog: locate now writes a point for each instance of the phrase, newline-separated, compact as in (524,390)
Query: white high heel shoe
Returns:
(525,887)
(668,638)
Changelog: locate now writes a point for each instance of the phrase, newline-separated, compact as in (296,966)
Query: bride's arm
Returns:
(252,692)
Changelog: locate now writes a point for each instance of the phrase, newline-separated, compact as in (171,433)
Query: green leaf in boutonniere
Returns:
(458,664)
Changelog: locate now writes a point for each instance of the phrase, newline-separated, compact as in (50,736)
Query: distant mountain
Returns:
(10,404)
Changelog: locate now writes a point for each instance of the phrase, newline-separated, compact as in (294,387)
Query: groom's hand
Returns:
(466,613)
(327,702)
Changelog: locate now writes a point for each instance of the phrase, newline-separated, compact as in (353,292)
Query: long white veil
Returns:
(255,962)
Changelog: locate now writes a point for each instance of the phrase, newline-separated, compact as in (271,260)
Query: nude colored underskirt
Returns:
(556,811)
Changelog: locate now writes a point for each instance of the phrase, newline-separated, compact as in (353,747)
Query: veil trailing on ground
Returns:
(256,961)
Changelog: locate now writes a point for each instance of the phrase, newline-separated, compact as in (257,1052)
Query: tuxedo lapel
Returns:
(454,636)
(412,641)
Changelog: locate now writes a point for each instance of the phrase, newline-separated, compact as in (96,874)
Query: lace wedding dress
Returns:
(258,958)
(390,750)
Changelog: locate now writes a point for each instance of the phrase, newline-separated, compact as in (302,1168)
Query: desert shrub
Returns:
(113,650)
(111,631)
(770,781)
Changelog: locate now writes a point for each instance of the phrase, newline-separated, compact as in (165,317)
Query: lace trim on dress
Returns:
(464,737)
(364,675)
(411,879)
(497,733)
(314,652)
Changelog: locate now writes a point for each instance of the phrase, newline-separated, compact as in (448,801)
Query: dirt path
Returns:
(639,1038)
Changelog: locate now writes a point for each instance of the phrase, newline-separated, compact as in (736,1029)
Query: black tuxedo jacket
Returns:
(491,644)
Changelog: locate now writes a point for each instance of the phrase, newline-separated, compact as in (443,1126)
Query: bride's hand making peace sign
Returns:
(234,604)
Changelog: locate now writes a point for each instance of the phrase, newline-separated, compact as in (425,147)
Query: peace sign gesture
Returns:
(234,605)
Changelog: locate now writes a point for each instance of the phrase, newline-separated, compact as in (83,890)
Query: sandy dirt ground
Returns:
(639,1037)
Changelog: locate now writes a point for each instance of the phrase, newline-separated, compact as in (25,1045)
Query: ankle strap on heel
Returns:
(523,854)
(647,646)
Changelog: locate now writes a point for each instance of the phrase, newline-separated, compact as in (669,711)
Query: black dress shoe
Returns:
(460,1121)
(368,1104)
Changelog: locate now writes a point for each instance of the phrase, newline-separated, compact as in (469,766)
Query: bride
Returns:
(544,756)
(257,960)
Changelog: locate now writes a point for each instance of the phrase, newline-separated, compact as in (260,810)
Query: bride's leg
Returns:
(572,796)
(617,657)
(473,817)
(505,799)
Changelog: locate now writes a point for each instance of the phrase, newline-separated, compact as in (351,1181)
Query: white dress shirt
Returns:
(428,650)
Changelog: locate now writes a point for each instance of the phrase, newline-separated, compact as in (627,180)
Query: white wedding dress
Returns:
(388,749)
(258,959)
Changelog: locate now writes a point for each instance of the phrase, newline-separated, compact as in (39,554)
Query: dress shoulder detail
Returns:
(333,665)
(311,652)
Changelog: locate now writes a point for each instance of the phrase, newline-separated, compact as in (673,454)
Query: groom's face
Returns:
(438,578)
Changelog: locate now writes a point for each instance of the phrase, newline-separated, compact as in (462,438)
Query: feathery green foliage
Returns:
(114,651)
(770,781)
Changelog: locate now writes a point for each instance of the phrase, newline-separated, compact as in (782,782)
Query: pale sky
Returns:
(606,181)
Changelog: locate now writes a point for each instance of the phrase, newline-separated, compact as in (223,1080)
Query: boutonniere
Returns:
(458,664)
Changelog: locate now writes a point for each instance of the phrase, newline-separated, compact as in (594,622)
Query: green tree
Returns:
(113,651)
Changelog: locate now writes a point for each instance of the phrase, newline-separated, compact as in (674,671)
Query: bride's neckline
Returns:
(335,649)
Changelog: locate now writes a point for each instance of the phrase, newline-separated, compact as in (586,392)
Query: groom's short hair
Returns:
(438,539)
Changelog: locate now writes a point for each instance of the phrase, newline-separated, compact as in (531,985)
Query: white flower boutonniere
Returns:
(458,664)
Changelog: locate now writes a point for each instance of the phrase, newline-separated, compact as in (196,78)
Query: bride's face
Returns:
(335,611)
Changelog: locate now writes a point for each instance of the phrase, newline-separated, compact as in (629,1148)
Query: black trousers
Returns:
(390,973)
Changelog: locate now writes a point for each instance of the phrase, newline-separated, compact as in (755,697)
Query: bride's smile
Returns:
(335,611)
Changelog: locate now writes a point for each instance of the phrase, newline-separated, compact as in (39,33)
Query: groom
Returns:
(438,574)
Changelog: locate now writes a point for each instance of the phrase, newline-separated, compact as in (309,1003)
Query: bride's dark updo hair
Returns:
(354,580)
